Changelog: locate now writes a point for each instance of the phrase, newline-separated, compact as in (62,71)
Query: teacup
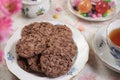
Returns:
(34,8)
(113,39)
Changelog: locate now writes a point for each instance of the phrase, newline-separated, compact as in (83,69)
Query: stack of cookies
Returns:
(46,48)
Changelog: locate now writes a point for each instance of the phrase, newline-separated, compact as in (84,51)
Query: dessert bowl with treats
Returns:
(46,50)
(94,10)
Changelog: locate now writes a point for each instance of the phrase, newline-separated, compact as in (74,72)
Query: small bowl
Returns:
(108,17)
(34,8)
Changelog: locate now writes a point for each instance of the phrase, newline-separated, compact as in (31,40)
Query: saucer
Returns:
(103,52)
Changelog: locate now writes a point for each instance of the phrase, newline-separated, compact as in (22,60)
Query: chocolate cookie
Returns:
(63,31)
(65,44)
(34,63)
(22,62)
(47,29)
(58,40)
(55,63)
(30,45)
(71,48)
(31,29)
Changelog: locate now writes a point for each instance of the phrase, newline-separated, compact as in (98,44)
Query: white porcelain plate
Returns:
(79,63)
(102,50)
(112,14)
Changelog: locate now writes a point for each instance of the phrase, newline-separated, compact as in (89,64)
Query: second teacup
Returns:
(113,39)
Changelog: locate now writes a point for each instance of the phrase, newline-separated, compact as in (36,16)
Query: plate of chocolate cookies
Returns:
(46,50)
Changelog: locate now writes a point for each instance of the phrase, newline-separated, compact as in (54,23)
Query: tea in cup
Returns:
(113,39)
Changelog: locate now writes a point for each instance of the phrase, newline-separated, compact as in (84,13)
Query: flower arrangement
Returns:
(7,9)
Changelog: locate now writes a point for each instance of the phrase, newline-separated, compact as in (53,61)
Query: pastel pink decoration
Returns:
(59,9)
(93,16)
(1,55)
(10,6)
(76,2)
(99,15)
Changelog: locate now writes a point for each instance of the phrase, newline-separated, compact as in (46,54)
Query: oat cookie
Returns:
(55,63)
(32,28)
(22,62)
(65,44)
(34,63)
(63,31)
(30,45)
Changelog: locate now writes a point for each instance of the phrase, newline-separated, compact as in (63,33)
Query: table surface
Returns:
(94,69)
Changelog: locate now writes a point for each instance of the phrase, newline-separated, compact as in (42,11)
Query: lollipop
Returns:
(84,6)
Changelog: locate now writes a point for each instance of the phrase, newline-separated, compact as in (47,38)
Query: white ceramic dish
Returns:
(79,63)
(111,15)
(102,50)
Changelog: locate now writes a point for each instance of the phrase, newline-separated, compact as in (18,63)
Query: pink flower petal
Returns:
(10,6)
(1,55)
(5,28)
(3,10)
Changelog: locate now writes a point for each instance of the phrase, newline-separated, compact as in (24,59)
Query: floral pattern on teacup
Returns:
(26,12)
(115,52)
(40,11)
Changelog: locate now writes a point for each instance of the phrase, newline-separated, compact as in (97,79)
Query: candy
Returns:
(79,12)
(84,14)
(59,9)
(102,7)
(81,28)
(93,16)
(75,8)
(108,11)
(104,15)
(112,3)
(56,16)
(99,15)
(108,0)
(94,1)
(93,7)
(112,9)
(89,14)
(84,6)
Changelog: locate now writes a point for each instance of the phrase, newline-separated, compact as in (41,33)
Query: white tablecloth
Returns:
(94,69)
